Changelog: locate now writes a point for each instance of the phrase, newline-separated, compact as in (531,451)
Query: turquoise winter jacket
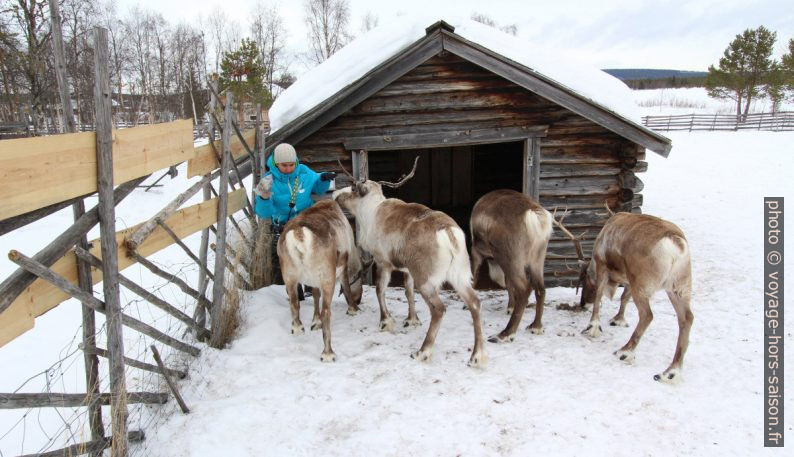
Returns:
(299,184)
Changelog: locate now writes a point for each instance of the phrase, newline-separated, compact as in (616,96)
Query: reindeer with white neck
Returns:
(426,244)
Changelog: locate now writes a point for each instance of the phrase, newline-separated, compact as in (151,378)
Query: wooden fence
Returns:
(776,122)
(40,175)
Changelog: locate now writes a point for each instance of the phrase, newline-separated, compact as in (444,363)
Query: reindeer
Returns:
(428,245)
(315,249)
(645,254)
(510,231)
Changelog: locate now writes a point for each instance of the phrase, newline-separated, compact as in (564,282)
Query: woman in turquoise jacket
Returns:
(286,190)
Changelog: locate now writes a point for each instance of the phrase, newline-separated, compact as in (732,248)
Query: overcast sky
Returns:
(683,35)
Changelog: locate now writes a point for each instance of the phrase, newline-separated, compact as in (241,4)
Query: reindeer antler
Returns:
(344,170)
(403,179)
(577,241)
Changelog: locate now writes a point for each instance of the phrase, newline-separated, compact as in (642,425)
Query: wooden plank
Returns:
(41,297)
(445,138)
(62,400)
(38,172)
(205,160)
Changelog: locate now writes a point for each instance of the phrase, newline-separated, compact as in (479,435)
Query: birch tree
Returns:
(328,23)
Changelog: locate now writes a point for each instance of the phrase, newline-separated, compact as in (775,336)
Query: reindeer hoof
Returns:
(297,329)
(478,360)
(669,377)
(535,330)
(316,325)
(422,356)
(502,338)
(465,307)
(618,323)
(592,330)
(352,311)
(509,310)
(626,356)
(330,357)
(387,325)
(412,323)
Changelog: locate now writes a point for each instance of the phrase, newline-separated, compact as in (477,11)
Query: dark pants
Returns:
(277,277)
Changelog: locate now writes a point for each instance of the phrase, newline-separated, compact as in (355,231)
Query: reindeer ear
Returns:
(361,189)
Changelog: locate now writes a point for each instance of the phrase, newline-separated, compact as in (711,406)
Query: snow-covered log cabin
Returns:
(484,110)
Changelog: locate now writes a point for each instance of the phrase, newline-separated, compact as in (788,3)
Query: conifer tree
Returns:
(742,69)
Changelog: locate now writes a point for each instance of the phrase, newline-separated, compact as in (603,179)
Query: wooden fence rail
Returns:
(776,122)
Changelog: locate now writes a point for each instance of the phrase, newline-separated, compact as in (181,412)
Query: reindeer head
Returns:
(363,190)
(586,268)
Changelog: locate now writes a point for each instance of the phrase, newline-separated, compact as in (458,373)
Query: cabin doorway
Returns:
(450,179)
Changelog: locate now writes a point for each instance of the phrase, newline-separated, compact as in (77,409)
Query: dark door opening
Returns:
(450,179)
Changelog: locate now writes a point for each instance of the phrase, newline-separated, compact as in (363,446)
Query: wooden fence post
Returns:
(218,288)
(90,360)
(107,230)
(201,312)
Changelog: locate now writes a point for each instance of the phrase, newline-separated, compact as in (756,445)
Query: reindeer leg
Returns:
(327,294)
(437,309)
(518,295)
(477,259)
(412,320)
(536,279)
(386,321)
(478,356)
(619,319)
(626,353)
(294,306)
(593,329)
(685,318)
(316,321)
(352,308)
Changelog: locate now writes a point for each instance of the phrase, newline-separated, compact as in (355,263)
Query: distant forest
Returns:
(646,78)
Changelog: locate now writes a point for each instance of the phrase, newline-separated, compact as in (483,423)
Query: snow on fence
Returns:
(69,266)
(776,122)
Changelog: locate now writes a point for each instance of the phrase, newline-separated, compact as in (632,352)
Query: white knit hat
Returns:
(284,153)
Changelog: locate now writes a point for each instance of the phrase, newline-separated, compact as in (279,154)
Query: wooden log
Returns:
(143,293)
(107,230)
(173,279)
(38,172)
(181,374)
(575,185)
(146,229)
(13,223)
(68,125)
(94,447)
(18,281)
(184,247)
(40,297)
(64,400)
(218,286)
(95,304)
(446,138)
(169,381)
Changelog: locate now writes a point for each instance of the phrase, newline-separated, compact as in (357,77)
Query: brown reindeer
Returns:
(646,254)
(426,244)
(315,249)
(510,231)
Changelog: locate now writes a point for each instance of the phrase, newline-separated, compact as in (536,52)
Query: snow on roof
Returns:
(383,42)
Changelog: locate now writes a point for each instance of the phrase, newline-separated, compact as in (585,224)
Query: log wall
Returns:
(583,165)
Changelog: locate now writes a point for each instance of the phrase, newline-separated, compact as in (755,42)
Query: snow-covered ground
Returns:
(662,102)
(555,394)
